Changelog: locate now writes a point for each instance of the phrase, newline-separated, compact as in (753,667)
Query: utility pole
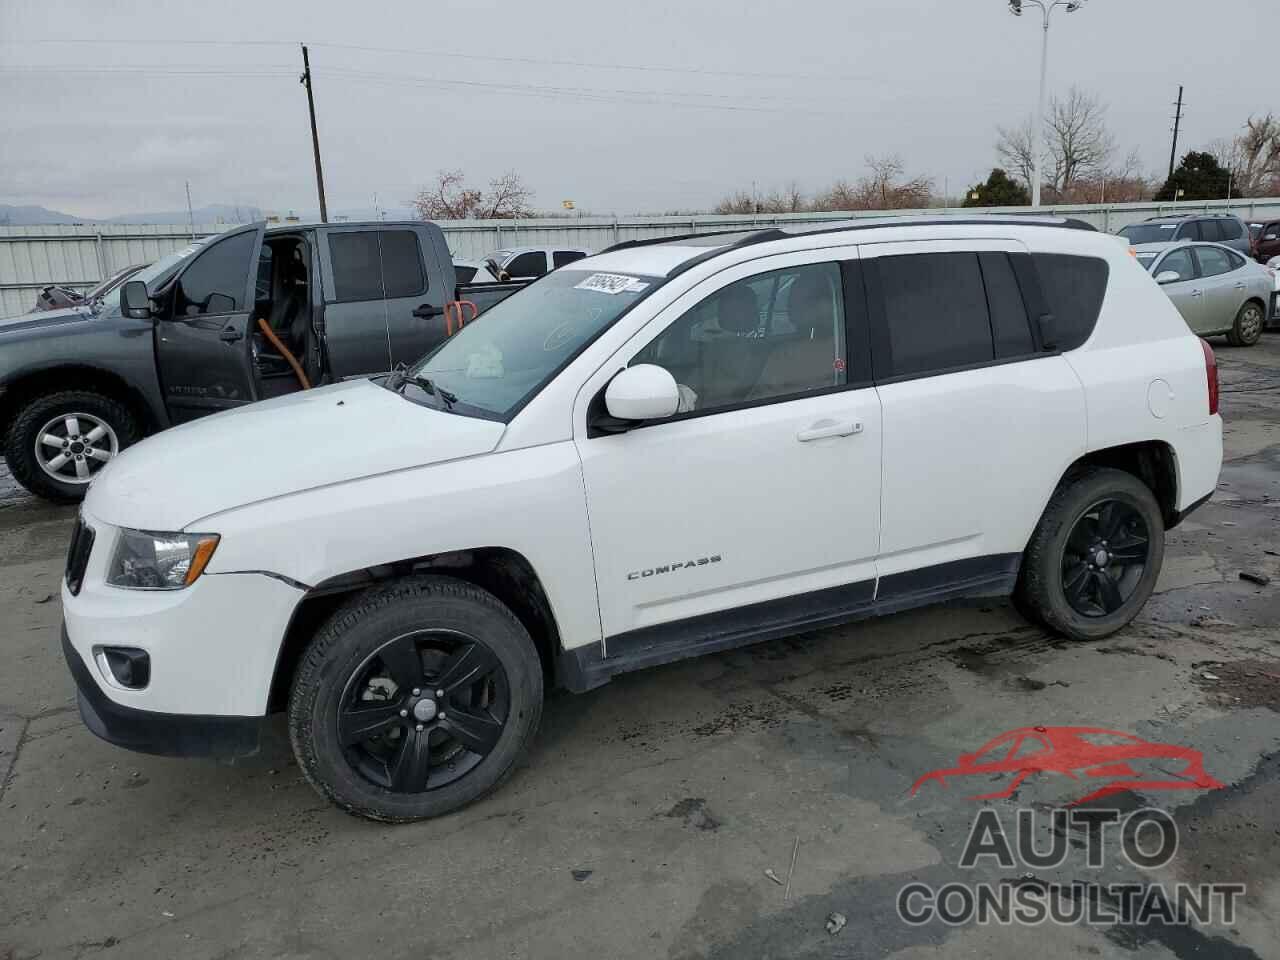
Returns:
(1177,121)
(305,80)
(191,217)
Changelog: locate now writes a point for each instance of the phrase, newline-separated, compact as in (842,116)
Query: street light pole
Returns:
(1037,133)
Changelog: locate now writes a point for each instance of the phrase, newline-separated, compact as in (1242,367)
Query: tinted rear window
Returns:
(373,264)
(1231,229)
(935,307)
(1073,290)
(1149,232)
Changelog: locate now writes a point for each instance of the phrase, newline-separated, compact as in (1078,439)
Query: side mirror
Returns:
(642,392)
(135,303)
(1168,276)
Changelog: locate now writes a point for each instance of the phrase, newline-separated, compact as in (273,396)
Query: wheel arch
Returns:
(1154,462)
(29,384)
(503,572)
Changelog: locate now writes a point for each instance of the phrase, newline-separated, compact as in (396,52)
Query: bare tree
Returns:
(738,202)
(841,195)
(449,198)
(1075,144)
(1254,159)
(1016,151)
(885,170)
(1079,141)
(508,197)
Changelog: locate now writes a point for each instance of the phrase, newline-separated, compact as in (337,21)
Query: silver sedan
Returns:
(1216,290)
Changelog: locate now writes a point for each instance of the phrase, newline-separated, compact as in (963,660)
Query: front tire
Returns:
(1095,556)
(57,443)
(415,699)
(1247,328)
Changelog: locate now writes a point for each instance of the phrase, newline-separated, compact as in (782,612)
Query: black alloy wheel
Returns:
(423,710)
(1105,557)
(416,697)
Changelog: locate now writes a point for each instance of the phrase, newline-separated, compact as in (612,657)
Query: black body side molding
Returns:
(584,668)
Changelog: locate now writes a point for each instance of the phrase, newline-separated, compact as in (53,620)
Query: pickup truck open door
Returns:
(203,343)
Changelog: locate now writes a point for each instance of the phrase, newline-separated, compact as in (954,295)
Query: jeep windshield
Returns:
(495,364)
(155,275)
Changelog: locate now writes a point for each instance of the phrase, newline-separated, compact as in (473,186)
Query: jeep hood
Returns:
(261,451)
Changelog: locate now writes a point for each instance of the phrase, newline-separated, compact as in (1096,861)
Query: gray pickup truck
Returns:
(252,313)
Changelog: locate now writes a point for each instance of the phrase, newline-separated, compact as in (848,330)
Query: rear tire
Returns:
(1095,556)
(369,728)
(1247,328)
(104,426)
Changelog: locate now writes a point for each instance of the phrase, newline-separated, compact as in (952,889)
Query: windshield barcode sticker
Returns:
(611,283)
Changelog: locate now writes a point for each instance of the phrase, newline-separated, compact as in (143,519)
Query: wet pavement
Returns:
(650,810)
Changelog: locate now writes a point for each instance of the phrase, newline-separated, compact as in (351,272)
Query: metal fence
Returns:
(78,256)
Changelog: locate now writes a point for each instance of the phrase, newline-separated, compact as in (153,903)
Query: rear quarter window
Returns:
(1074,288)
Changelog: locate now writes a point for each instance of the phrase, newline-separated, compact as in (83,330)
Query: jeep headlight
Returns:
(144,560)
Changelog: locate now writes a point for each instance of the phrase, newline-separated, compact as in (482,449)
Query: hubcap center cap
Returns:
(424,710)
(1100,557)
(77,447)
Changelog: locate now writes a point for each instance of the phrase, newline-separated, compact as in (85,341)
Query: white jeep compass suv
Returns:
(671,448)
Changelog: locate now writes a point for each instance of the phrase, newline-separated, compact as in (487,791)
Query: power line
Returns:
(664,98)
(456,55)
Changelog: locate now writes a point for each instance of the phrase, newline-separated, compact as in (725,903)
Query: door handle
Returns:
(1197,293)
(230,335)
(425,311)
(830,428)
(1239,286)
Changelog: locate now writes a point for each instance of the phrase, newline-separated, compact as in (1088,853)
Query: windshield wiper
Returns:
(400,377)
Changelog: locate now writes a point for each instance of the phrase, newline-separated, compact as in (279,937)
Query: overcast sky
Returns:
(729,93)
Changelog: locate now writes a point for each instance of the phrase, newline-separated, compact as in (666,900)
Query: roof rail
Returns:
(654,241)
(774,233)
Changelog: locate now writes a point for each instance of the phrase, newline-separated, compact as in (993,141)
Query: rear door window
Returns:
(1213,261)
(376,264)
(1073,288)
(934,313)
(1010,326)
(531,264)
(1231,229)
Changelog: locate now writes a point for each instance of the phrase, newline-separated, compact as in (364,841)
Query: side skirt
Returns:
(584,668)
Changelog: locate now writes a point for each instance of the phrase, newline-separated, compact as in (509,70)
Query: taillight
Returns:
(1211,375)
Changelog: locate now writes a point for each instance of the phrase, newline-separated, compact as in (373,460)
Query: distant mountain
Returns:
(25,216)
(212,213)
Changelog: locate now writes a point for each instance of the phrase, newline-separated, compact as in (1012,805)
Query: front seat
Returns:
(733,356)
(810,362)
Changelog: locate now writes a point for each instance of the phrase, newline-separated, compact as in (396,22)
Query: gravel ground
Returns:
(650,809)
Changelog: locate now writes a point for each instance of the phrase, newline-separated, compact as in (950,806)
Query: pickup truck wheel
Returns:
(415,699)
(57,443)
(1247,328)
(1094,558)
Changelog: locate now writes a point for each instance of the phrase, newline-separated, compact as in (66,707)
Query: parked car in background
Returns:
(1215,288)
(249,314)
(1265,239)
(524,263)
(1221,228)
(670,449)
(58,297)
